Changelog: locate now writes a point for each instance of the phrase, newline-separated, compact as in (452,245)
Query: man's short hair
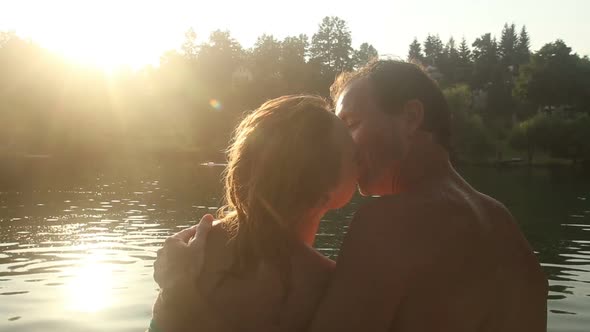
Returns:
(396,82)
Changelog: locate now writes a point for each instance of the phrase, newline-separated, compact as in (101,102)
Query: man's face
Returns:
(379,138)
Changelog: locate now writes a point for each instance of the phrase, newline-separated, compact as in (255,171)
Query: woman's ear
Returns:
(414,115)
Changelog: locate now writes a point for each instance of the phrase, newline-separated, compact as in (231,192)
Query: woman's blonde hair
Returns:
(283,161)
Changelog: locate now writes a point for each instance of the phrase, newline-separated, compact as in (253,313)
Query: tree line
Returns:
(190,102)
(504,95)
(193,99)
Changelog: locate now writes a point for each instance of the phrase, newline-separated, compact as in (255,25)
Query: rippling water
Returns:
(78,256)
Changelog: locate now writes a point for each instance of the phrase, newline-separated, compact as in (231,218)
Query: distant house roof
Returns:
(242,74)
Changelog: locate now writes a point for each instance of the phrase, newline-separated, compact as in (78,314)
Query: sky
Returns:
(135,33)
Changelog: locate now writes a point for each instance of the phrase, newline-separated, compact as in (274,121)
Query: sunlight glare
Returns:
(91,288)
(110,35)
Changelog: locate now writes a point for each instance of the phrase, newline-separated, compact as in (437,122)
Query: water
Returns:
(76,252)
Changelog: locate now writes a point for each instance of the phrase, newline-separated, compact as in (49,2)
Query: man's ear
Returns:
(414,115)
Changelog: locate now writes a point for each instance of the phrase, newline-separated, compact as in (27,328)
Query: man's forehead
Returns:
(353,98)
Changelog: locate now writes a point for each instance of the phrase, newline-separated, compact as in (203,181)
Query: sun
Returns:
(107,46)
(104,34)
(106,56)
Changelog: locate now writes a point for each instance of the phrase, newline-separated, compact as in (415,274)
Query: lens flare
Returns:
(215,104)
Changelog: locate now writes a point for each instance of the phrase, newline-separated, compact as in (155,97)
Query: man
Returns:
(431,253)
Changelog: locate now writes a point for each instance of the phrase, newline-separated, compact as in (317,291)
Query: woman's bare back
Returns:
(254,301)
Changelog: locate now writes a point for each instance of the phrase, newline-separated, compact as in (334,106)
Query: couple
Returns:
(431,253)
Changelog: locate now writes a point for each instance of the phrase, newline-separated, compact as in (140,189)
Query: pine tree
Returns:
(523,47)
(415,53)
(485,59)
(331,45)
(433,50)
(449,62)
(364,54)
(465,67)
(508,44)
(451,50)
(464,53)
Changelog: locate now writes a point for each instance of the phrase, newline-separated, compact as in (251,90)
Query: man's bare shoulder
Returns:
(427,222)
(494,206)
(396,213)
(389,226)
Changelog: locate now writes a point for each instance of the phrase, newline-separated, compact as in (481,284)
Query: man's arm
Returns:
(182,254)
(174,271)
(373,273)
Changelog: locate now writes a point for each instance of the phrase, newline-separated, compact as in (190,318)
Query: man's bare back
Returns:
(444,258)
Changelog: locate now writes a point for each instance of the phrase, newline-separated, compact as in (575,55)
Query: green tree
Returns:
(266,56)
(558,133)
(470,138)
(508,46)
(465,65)
(584,82)
(364,54)
(554,77)
(266,67)
(459,99)
(522,139)
(534,134)
(189,47)
(295,48)
(219,58)
(464,52)
(485,58)
(219,62)
(294,69)
(523,47)
(500,92)
(491,77)
(433,50)
(222,44)
(331,46)
(449,63)
(577,136)
(415,52)
(451,50)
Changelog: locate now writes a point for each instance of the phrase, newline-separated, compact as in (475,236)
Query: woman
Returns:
(290,162)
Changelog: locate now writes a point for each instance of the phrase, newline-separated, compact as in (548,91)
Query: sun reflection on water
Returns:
(91,288)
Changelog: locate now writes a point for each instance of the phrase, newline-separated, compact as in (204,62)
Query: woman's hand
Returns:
(181,258)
